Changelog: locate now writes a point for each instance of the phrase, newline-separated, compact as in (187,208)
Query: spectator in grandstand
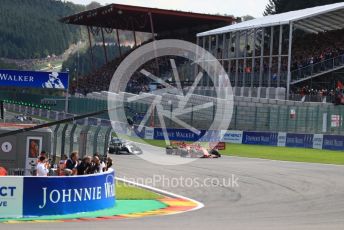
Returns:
(71,164)
(339,96)
(308,51)
(42,167)
(314,94)
(311,49)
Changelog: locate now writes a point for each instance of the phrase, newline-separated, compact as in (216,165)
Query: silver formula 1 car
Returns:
(122,147)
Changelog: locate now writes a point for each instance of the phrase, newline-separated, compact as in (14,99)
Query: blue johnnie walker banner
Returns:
(260,138)
(178,134)
(33,79)
(65,195)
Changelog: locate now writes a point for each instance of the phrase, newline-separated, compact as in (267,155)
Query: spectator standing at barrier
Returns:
(62,165)
(102,165)
(71,164)
(42,154)
(95,168)
(108,163)
(42,167)
(85,166)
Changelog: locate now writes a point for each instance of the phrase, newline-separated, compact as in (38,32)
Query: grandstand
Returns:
(157,22)
(277,53)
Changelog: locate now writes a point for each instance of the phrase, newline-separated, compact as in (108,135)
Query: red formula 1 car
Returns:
(191,150)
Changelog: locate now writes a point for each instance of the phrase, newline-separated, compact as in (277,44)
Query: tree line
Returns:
(80,64)
(282,6)
(30,28)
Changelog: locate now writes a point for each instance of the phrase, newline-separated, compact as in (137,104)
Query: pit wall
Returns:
(42,196)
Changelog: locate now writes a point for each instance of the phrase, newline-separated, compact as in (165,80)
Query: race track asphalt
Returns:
(272,195)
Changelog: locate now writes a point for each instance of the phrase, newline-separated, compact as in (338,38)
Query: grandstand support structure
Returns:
(104,47)
(91,47)
(290,43)
(119,43)
(249,47)
(159,23)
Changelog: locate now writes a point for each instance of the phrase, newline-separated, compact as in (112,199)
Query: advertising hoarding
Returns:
(11,197)
(65,195)
(34,79)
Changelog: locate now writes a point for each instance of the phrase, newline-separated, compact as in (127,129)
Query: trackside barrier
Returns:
(42,196)
(282,139)
(288,139)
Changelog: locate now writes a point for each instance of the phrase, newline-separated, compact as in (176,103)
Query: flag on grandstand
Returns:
(335,121)
(340,85)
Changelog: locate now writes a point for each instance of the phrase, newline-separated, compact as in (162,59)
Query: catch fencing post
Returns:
(306,119)
(287,121)
(255,117)
(191,121)
(63,139)
(278,118)
(296,118)
(95,139)
(107,139)
(235,116)
(71,140)
(317,119)
(55,142)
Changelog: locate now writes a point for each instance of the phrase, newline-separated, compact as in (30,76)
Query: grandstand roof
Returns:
(125,17)
(314,20)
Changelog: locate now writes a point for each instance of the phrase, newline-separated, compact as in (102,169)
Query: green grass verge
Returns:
(129,192)
(270,152)
(285,153)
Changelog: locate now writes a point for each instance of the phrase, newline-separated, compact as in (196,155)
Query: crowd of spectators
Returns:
(73,165)
(306,90)
(309,49)
(335,95)
(98,80)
